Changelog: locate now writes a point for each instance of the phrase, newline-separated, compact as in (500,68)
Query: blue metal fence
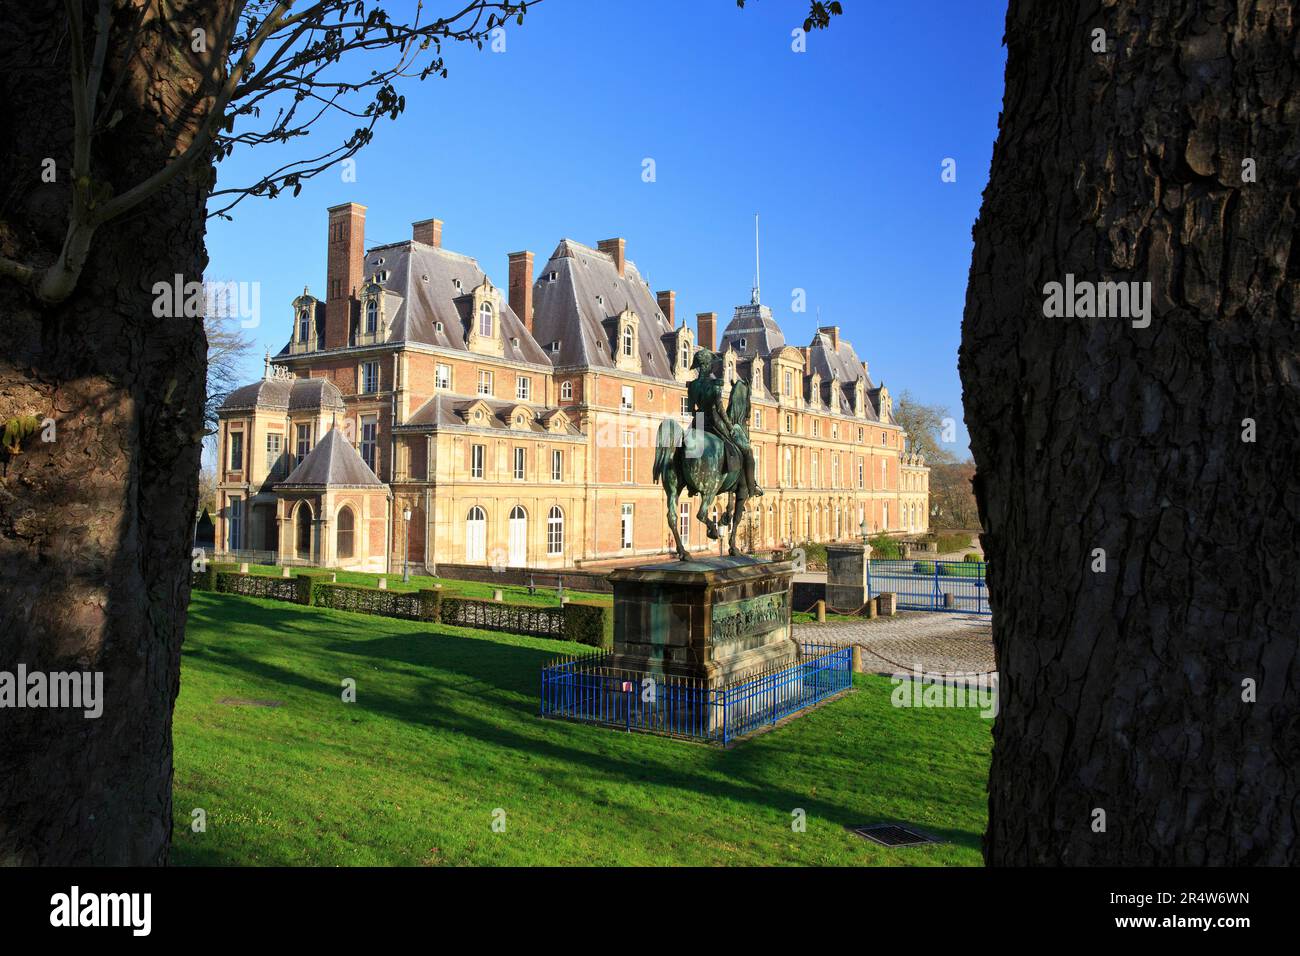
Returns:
(587,689)
(932,585)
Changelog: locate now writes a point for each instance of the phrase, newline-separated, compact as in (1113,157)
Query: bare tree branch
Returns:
(305,48)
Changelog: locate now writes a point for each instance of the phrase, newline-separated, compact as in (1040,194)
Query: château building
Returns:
(421,408)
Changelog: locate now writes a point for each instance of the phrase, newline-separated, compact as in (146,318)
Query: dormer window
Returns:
(456,283)
(304,325)
(486,319)
(629,341)
(742,345)
(372,316)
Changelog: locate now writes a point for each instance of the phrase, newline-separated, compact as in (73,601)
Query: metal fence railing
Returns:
(932,585)
(586,689)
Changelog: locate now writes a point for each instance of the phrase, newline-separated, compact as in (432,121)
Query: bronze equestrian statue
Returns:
(713,458)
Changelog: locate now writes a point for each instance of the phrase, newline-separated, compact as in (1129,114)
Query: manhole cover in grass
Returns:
(890,834)
(246,702)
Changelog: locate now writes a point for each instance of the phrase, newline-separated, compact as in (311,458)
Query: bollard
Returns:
(383,584)
(857,659)
(334,577)
(821,612)
(284,572)
(872,608)
(496,594)
(949,601)
(243,567)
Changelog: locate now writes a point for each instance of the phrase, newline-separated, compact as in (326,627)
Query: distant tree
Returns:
(228,351)
(925,425)
(952,496)
(207,489)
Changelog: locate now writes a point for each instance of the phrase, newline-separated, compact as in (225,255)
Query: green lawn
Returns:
(545,597)
(444,731)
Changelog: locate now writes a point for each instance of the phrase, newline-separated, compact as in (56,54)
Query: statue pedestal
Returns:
(710,619)
(846,575)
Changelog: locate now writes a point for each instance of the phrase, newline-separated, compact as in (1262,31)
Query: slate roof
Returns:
(285,393)
(421,290)
(573,308)
(332,462)
(448,410)
(757,326)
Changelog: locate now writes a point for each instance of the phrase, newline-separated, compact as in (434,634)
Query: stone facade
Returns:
(517,425)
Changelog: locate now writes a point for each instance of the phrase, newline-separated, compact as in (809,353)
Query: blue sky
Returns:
(839,149)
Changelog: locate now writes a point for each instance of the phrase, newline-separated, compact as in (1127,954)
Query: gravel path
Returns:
(931,642)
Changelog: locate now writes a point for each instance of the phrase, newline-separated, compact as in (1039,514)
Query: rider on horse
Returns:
(704,395)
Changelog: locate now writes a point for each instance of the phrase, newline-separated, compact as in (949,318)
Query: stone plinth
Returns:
(846,576)
(710,619)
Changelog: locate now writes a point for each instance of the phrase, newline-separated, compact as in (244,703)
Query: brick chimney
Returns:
(667,301)
(344,265)
(428,231)
(833,333)
(615,249)
(707,326)
(521,287)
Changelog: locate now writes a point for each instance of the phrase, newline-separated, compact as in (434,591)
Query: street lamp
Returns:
(406,546)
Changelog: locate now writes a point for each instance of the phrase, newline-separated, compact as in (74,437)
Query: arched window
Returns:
(485,320)
(344,545)
(555,531)
(566,391)
(303,527)
(629,341)
(372,315)
(304,326)
(517,553)
(476,535)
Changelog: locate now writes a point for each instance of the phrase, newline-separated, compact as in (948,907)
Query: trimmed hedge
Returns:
(257,585)
(961,569)
(951,569)
(495,616)
(206,580)
(974,557)
(430,605)
(362,600)
(591,624)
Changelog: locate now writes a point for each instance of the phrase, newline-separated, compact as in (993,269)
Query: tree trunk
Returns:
(95,527)
(1127,690)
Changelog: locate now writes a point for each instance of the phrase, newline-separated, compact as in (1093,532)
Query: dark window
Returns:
(236,451)
(345,533)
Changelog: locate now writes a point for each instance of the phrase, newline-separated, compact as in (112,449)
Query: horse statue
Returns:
(713,458)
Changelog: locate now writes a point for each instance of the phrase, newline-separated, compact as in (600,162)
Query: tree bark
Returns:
(95,527)
(1123,690)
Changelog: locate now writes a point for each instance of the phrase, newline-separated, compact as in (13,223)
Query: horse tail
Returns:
(667,440)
